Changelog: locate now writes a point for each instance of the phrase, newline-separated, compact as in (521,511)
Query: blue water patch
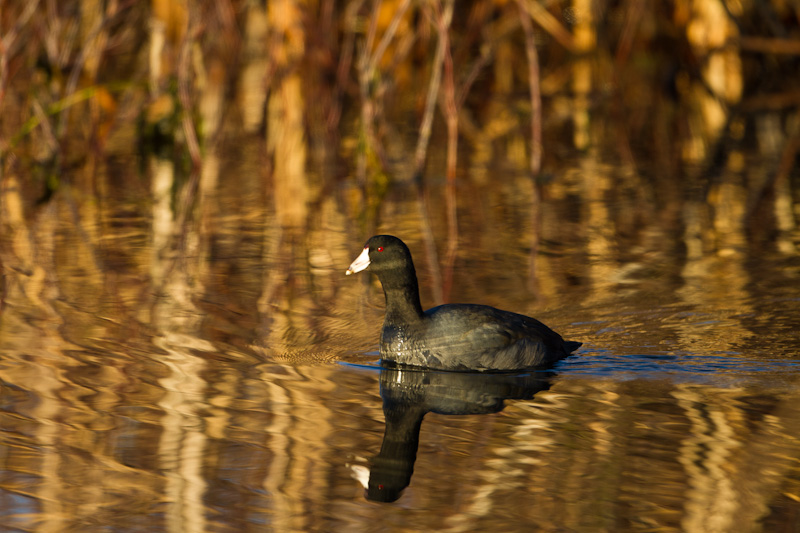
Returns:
(723,366)
(372,366)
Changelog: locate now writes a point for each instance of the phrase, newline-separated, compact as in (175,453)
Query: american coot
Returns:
(451,336)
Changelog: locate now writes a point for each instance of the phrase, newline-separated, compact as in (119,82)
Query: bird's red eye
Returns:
(380,248)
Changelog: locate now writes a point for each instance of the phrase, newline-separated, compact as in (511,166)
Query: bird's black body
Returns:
(451,336)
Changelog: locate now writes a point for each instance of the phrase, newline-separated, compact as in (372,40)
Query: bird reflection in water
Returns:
(409,393)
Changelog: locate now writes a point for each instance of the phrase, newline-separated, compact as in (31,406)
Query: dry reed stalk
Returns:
(369,84)
(367,103)
(420,155)
(633,16)
(88,60)
(185,83)
(550,24)
(345,62)
(535,92)
(769,45)
(9,44)
(782,174)
(450,110)
(536,140)
(287,141)
(424,137)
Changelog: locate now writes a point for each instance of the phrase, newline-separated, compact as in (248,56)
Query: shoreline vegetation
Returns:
(695,104)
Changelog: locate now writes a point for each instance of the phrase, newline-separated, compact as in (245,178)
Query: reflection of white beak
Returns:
(361,262)
(360,473)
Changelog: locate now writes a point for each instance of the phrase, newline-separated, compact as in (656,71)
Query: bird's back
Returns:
(475,337)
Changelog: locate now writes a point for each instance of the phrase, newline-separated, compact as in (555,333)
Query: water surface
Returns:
(228,380)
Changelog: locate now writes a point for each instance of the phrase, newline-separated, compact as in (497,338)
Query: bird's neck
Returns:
(402,299)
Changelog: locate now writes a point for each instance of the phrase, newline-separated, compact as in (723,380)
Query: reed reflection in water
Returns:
(610,442)
(160,375)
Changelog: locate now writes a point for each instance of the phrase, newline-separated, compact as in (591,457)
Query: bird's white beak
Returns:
(361,262)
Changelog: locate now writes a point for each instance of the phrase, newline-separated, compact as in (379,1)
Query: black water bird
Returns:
(451,336)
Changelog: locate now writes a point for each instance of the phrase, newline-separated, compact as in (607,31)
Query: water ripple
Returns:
(730,368)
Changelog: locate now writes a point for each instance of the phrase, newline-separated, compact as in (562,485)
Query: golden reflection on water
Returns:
(184,439)
(164,372)
(158,383)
